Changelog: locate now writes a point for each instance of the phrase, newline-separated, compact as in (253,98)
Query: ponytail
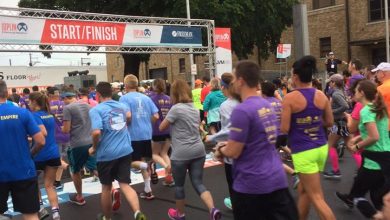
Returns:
(379,107)
(42,101)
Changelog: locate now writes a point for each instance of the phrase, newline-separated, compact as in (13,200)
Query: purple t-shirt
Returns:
(57,108)
(258,170)
(163,103)
(352,81)
(277,106)
(24,102)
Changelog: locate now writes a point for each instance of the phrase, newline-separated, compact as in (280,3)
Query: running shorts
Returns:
(41,165)
(118,169)
(310,161)
(142,149)
(79,157)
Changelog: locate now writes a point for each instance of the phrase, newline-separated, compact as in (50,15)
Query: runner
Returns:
(306,111)
(339,130)
(161,140)
(257,194)
(111,142)
(268,92)
(84,97)
(374,139)
(143,112)
(354,67)
(18,181)
(226,110)
(56,109)
(24,101)
(76,122)
(196,95)
(48,159)
(188,151)
(211,105)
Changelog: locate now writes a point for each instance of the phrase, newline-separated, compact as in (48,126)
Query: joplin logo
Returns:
(222,37)
(146,33)
(20,28)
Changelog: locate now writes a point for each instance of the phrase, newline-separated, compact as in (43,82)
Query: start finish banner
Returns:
(16,30)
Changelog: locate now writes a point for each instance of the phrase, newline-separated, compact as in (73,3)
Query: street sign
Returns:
(283,51)
(193,69)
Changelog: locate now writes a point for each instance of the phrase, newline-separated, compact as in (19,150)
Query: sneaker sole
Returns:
(332,177)
(116,202)
(78,203)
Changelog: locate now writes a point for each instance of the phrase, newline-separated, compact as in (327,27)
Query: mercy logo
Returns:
(183,34)
(139,33)
(20,28)
(222,37)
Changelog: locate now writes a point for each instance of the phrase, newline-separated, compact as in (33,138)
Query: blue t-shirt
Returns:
(15,157)
(142,109)
(50,150)
(115,141)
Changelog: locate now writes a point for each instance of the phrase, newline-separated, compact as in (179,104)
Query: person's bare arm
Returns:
(286,116)
(39,142)
(66,127)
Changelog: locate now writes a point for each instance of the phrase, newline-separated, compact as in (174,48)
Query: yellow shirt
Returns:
(196,98)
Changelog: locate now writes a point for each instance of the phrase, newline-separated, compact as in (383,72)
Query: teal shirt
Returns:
(383,144)
(212,103)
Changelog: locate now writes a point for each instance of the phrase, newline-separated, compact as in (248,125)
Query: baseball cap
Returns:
(67,94)
(115,85)
(331,53)
(198,82)
(382,67)
(336,78)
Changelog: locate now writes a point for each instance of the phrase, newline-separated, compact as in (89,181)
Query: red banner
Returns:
(222,38)
(82,32)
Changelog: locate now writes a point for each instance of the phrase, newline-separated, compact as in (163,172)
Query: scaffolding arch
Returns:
(8,44)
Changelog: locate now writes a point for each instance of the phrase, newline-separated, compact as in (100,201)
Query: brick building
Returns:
(350,28)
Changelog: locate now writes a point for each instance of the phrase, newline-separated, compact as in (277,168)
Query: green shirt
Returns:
(383,144)
(196,98)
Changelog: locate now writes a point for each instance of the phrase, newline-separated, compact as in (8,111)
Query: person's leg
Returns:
(179,171)
(106,201)
(77,157)
(303,203)
(229,177)
(164,154)
(25,198)
(131,196)
(312,186)
(334,158)
(156,151)
(30,216)
(196,175)
(49,178)
(280,205)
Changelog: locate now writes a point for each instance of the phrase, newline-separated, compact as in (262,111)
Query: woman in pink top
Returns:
(84,93)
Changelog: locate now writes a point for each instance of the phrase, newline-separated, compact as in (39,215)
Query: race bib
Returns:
(332,66)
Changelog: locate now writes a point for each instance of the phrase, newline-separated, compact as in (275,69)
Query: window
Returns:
(182,65)
(377,10)
(378,55)
(325,46)
(322,3)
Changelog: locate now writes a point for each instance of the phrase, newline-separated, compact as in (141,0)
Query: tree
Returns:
(257,23)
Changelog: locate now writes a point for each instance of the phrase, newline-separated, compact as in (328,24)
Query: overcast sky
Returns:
(58,59)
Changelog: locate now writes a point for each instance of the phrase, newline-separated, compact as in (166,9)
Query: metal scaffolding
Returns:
(207,27)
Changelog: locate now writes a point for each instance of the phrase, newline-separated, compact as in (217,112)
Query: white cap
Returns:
(382,67)
(331,53)
(115,85)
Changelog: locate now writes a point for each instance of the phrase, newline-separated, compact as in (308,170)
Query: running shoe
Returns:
(116,199)
(56,216)
(43,213)
(100,216)
(228,203)
(74,199)
(332,174)
(168,181)
(153,173)
(147,196)
(5,217)
(345,199)
(295,181)
(140,216)
(215,214)
(173,214)
(58,185)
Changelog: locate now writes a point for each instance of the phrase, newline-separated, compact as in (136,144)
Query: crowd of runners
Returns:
(111,129)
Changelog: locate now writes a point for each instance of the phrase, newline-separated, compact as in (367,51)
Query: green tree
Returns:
(254,23)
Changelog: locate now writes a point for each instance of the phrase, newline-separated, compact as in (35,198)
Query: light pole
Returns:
(387,30)
(191,55)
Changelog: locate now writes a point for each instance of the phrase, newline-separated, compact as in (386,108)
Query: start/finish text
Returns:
(83,32)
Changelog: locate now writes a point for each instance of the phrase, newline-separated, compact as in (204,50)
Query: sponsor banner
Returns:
(177,35)
(223,51)
(283,51)
(15,30)
(21,30)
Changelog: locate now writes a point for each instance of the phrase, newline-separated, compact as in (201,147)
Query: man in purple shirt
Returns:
(259,182)
(354,67)
(24,101)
